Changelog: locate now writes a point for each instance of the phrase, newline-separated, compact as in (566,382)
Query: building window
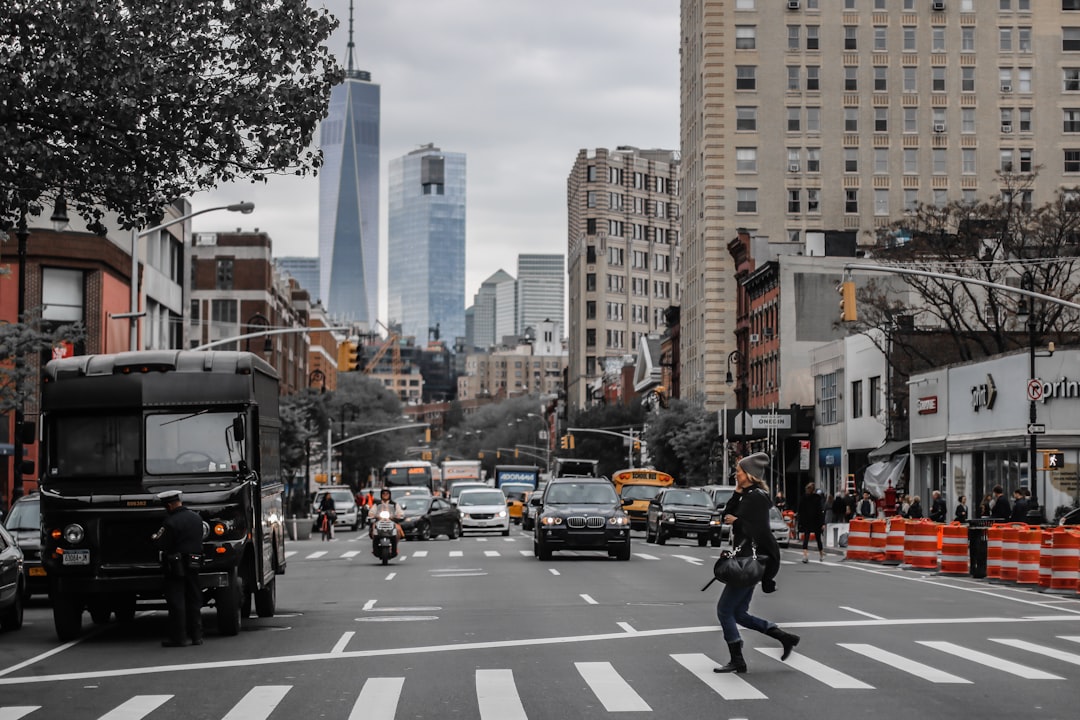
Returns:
(967,39)
(223,279)
(911,161)
(1025,119)
(875,396)
(1072,119)
(62,295)
(1070,39)
(910,79)
(745,77)
(590,309)
(813,160)
(851,79)
(794,200)
(793,72)
(590,199)
(813,77)
(793,37)
(909,39)
(851,160)
(851,201)
(1006,164)
(911,120)
(813,201)
(590,282)
(937,156)
(615,256)
(745,159)
(590,226)
(881,78)
(590,173)
(881,202)
(967,161)
(851,37)
(813,39)
(1071,79)
(851,120)
(967,79)
(615,228)
(745,37)
(746,200)
(881,161)
(937,79)
(1027,163)
(793,119)
(826,399)
(967,120)
(590,337)
(746,118)
(937,39)
(813,119)
(856,399)
(881,119)
(880,38)
(911,200)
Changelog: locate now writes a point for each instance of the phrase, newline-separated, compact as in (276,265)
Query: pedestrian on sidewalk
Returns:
(961,515)
(866,506)
(1000,509)
(811,521)
(938,510)
(839,513)
(749,521)
(915,510)
(1020,506)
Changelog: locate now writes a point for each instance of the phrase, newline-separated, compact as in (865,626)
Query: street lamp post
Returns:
(1027,282)
(317,376)
(740,401)
(134,314)
(260,321)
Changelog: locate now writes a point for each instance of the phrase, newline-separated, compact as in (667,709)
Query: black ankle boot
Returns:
(736,664)
(786,639)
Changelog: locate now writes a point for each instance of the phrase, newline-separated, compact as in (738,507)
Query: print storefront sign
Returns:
(984,394)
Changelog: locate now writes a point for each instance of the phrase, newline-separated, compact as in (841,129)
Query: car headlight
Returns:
(551,521)
(502,513)
(667,517)
(74,533)
(716,521)
(618,520)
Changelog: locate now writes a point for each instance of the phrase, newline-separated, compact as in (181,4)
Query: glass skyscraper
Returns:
(349,200)
(541,286)
(426,249)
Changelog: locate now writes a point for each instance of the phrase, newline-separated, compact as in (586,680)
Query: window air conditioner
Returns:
(1006,129)
(1006,88)
(793,5)
(939,127)
(793,167)
(938,6)
(768,332)
(754,337)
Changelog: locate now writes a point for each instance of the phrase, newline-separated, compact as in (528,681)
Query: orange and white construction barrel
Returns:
(921,544)
(1027,558)
(993,552)
(1065,577)
(858,547)
(954,549)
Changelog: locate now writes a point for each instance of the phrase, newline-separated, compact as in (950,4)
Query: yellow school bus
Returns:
(641,486)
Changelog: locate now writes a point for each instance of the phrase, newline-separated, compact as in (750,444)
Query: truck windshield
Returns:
(94,445)
(185,443)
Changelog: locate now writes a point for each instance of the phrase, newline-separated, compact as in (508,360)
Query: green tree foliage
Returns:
(27,340)
(611,451)
(127,105)
(683,441)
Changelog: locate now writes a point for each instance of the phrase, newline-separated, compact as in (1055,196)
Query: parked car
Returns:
(483,509)
(427,517)
(580,513)
(12,592)
(779,527)
(348,514)
(23,523)
(683,513)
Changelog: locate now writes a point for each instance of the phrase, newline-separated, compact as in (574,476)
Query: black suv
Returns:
(580,513)
(684,513)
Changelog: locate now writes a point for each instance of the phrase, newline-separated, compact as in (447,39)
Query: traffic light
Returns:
(480,455)
(1053,460)
(320,478)
(347,356)
(571,441)
(427,435)
(637,446)
(564,442)
(516,452)
(848,312)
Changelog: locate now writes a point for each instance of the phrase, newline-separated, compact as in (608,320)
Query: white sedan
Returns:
(483,509)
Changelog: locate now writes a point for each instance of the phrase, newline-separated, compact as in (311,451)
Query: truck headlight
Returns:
(74,533)
(667,517)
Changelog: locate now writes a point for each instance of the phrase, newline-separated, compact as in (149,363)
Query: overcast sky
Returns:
(519,86)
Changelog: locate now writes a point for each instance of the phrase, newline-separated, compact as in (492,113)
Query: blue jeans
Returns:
(733,609)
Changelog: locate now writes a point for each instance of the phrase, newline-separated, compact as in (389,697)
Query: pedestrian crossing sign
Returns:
(1053,460)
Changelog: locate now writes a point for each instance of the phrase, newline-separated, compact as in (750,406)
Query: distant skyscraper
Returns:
(305,270)
(541,280)
(484,310)
(426,248)
(349,198)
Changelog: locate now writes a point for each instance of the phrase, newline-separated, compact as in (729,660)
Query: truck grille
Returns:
(693,519)
(127,541)
(576,521)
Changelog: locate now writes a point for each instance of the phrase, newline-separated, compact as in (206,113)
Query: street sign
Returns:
(771,422)
(1036,429)
(1034,390)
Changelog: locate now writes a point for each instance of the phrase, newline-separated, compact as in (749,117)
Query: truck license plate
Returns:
(76,557)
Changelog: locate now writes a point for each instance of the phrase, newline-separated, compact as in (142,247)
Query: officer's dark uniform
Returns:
(180,537)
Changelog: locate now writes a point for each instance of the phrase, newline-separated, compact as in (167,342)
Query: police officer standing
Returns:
(180,539)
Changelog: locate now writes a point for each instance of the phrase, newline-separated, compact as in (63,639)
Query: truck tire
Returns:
(67,616)
(266,599)
(227,599)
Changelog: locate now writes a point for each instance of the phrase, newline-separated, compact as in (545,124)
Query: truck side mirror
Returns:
(238,429)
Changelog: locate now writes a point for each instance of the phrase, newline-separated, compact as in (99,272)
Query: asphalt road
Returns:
(478,628)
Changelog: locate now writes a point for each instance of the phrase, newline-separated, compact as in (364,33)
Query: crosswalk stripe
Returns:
(498,696)
(526,552)
(990,661)
(646,556)
(288,554)
(1070,638)
(351,553)
(509,539)
(315,555)
(727,685)
(690,559)
(258,703)
(420,554)
(1068,657)
(378,699)
(491,553)
(610,688)
(820,672)
(899,662)
(18,711)
(455,553)
(137,707)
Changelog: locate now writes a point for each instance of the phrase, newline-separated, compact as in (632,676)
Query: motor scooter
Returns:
(385,535)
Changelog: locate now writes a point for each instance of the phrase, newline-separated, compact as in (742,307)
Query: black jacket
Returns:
(1020,510)
(183,532)
(811,513)
(752,523)
(938,510)
(961,513)
(1002,510)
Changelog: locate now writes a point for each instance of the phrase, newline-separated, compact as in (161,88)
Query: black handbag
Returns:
(738,570)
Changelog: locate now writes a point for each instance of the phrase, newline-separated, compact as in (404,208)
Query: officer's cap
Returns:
(169,496)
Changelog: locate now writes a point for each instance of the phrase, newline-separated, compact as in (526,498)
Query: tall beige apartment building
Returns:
(624,260)
(808,115)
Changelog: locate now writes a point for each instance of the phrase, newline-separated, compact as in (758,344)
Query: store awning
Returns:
(887,450)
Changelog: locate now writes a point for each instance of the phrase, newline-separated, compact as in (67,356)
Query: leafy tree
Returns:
(683,442)
(127,105)
(610,451)
(19,380)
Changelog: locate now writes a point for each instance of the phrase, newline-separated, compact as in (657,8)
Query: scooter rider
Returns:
(396,513)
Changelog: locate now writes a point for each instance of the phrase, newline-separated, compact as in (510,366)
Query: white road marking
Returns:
(37,658)
(315,555)
(498,696)
(455,553)
(258,703)
(553,571)
(369,604)
(289,554)
(610,688)
(727,685)
(18,711)
(420,553)
(861,612)
(137,707)
(626,626)
(517,643)
(588,599)
(491,553)
(1070,638)
(481,539)
(646,556)
(509,539)
(391,576)
(1068,657)
(526,552)
(341,644)
(690,559)
(459,574)
(350,554)
(819,671)
(990,661)
(378,699)
(899,662)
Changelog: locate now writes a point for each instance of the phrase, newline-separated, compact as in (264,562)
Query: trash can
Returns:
(977,532)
